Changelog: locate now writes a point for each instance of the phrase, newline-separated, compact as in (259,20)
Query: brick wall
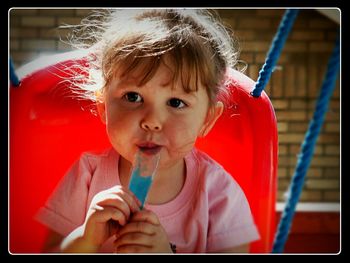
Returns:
(293,87)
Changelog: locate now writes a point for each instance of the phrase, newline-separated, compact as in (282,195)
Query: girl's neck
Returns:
(167,183)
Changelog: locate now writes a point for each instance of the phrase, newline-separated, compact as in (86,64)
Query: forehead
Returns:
(162,70)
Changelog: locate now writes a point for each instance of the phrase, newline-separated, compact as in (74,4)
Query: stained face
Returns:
(158,116)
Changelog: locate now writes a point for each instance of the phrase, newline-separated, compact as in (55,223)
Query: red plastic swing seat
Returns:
(49,129)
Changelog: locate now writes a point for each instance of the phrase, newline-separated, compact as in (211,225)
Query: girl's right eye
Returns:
(132,97)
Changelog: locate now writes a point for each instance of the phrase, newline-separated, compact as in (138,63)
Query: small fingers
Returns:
(118,197)
(132,249)
(107,213)
(145,216)
(137,227)
(117,202)
(129,242)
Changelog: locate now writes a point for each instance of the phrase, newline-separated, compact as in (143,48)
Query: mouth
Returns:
(149,148)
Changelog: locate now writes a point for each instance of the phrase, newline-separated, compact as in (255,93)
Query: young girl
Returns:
(161,79)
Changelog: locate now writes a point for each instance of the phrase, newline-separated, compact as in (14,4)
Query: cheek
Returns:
(182,133)
(120,124)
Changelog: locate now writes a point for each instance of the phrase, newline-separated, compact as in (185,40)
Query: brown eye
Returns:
(133,97)
(176,103)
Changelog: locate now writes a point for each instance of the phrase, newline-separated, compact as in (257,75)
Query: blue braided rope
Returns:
(13,77)
(275,51)
(307,150)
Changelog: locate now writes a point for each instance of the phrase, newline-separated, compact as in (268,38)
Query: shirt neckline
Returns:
(185,195)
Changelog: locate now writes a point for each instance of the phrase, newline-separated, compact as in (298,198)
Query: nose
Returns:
(152,122)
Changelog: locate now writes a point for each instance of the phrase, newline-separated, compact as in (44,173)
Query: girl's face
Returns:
(156,117)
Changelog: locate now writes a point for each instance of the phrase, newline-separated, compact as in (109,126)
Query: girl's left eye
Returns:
(176,103)
(133,97)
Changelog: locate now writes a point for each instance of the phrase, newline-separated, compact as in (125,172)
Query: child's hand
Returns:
(143,234)
(108,210)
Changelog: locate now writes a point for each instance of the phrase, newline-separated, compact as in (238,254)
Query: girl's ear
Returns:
(101,108)
(212,116)
(100,105)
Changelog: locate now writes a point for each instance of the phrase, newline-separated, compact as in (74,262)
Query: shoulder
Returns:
(213,175)
(92,159)
(91,163)
(219,186)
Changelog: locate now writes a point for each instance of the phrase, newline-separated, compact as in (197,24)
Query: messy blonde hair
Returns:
(123,40)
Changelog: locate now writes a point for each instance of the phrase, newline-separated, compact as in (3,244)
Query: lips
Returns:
(149,148)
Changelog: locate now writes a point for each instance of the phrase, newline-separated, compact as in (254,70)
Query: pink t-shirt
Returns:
(210,213)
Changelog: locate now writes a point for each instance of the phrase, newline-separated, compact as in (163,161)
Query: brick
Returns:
(247,57)
(260,57)
(300,81)
(256,23)
(267,88)
(282,126)
(62,46)
(14,45)
(321,24)
(283,183)
(32,21)
(322,184)
(284,58)
(314,172)
(83,12)
(282,149)
(281,196)
(255,46)
(277,82)
(298,126)
(295,149)
(38,45)
(334,103)
(244,35)
(336,93)
(333,172)
(291,138)
(316,46)
(49,33)
(282,172)
(14,21)
(68,21)
(318,161)
(23,12)
(279,104)
(253,71)
(295,46)
(300,23)
(331,35)
(270,12)
(266,35)
(20,32)
(331,196)
(329,138)
(310,195)
(298,104)
(330,115)
(229,22)
(57,12)
(289,81)
(332,149)
(332,127)
(307,35)
(313,79)
(287,161)
(291,115)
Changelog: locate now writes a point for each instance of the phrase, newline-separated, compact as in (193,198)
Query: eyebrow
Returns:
(125,81)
